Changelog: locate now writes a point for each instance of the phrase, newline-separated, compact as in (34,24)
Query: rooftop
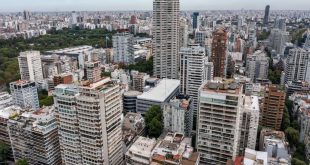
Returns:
(71,50)
(251,103)
(222,86)
(160,92)
(10,112)
(132,93)
(143,146)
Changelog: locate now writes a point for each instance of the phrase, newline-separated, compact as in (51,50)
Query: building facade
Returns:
(30,66)
(91,115)
(257,66)
(166,38)
(219,52)
(192,72)
(297,65)
(219,119)
(25,94)
(178,115)
(34,137)
(123,51)
(273,107)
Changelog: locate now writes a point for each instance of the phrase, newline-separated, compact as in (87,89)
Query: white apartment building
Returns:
(297,65)
(218,132)
(178,115)
(209,70)
(91,117)
(25,94)
(123,50)
(68,124)
(257,66)
(5,100)
(30,66)
(141,151)
(249,123)
(166,38)
(192,72)
(183,33)
(277,40)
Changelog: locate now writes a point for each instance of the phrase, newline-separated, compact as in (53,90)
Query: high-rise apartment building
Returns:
(249,123)
(219,120)
(123,51)
(26,15)
(25,94)
(195,20)
(93,71)
(6,100)
(192,72)
(68,124)
(219,52)
(278,39)
(257,66)
(266,17)
(183,35)
(166,38)
(273,107)
(73,18)
(90,116)
(5,115)
(30,66)
(297,65)
(34,137)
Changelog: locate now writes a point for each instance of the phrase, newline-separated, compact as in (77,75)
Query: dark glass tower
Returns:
(266,17)
(195,20)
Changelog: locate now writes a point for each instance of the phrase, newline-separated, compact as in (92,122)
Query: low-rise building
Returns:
(140,151)
(130,100)
(164,90)
(174,149)
(133,125)
(275,144)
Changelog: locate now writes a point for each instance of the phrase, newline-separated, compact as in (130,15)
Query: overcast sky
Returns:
(101,5)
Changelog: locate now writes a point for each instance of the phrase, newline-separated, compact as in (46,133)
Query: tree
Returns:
(292,136)
(22,162)
(155,128)
(298,162)
(286,122)
(154,120)
(4,151)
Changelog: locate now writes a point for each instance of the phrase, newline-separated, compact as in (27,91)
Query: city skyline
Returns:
(121,5)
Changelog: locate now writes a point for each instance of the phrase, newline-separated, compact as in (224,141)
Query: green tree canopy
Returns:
(292,136)
(4,151)
(22,162)
(298,162)
(154,120)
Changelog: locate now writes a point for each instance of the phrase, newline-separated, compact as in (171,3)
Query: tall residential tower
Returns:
(166,38)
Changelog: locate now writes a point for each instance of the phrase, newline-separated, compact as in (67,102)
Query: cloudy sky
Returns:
(101,5)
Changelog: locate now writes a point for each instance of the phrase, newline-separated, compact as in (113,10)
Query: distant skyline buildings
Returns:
(108,5)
